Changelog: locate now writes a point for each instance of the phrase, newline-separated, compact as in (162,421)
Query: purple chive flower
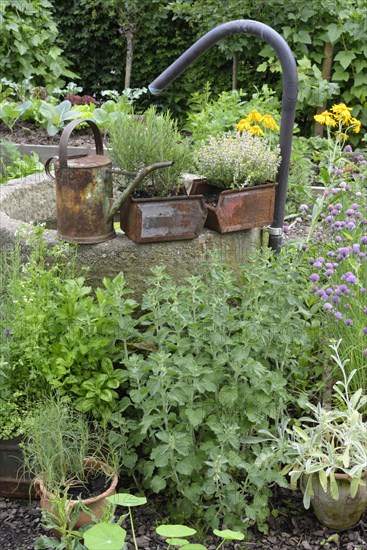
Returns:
(334,212)
(350,278)
(7,332)
(361,176)
(339,206)
(348,322)
(335,299)
(334,191)
(343,252)
(303,208)
(285,229)
(338,172)
(314,277)
(329,272)
(355,248)
(355,206)
(329,291)
(321,293)
(358,194)
(347,149)
(350,212)
(329,219)
(298,220)
(327,306)
(364,239)
(342,184)
(350,225)
(317,264)
(363,290)
(365,310)
(338,315)
(361,255)
(365,330)
(338,239)
(331,253)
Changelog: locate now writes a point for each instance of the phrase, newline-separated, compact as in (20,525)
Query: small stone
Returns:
(306,545)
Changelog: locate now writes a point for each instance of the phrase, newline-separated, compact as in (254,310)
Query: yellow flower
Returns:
(325,118)
(241,125)
(342,136)
(256,130)
(356,125)
(269,122)
(342,112)
(254,116)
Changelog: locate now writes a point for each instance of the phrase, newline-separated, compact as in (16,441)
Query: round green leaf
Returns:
(227,534)
(124,499)
(191,546)
(175,531)
(177,542)
(105,535)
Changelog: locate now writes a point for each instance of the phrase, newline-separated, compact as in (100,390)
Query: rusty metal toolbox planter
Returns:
(238,209)
(163,219)
(13,484)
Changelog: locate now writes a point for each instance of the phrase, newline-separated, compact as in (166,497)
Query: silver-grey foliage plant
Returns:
(235,160)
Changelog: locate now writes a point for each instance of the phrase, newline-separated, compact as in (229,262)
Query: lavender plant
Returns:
(235,160)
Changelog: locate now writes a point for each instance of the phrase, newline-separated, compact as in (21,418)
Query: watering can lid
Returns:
(87,161)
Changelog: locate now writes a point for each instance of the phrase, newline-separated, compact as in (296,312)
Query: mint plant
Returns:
(215,367)
(57,333)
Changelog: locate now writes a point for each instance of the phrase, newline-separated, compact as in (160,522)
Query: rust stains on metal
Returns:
(163,219)
(239,209)
(83,192)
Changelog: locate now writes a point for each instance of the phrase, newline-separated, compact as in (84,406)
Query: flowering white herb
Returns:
(237,160)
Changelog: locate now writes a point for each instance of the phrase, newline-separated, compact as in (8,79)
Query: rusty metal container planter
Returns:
(163,219)
(13,483)
(238,209)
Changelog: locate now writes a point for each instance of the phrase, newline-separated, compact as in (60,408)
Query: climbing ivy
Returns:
(27,43)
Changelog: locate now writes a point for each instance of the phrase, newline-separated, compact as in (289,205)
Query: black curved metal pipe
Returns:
(289,97)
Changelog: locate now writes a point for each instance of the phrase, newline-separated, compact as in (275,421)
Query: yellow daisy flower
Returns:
(325,118)
(256,130)
(342,112)
(254,116)
(356,125)
(269,122)
(342,136)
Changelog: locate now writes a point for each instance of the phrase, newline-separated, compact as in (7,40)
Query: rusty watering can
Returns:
(84,190)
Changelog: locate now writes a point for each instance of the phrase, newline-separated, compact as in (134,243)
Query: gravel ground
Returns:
(294,528)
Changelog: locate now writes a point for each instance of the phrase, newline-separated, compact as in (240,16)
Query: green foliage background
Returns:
(27,43)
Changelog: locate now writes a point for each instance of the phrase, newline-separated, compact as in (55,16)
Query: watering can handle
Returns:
(63,146)
(48,166)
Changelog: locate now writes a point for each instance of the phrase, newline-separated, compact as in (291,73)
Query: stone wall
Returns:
(32,199)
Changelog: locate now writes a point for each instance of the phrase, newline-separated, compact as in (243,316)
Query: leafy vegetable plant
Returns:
(56,115)
(10,112)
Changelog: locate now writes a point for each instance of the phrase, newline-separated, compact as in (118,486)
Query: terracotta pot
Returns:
(95,504)
(339,514)
(163,219)
(238,209)
(14,483)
